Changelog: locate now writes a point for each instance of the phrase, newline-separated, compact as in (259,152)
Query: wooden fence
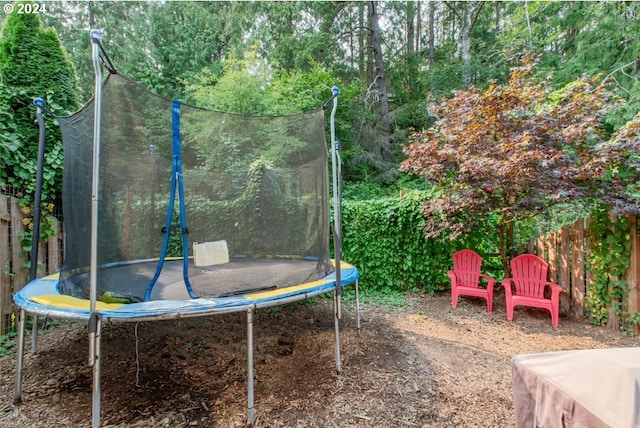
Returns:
(567,252)
(14,262)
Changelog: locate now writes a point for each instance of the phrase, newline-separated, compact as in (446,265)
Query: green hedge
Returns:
(383,238)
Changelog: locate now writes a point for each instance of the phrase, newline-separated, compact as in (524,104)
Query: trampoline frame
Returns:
(94,317)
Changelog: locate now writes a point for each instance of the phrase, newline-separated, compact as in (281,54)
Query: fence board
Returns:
(53,250)
(612,320)
(541,243)
(553,257)
(578,269)
(633,274)
(5,260)
(21,273)
(564,274)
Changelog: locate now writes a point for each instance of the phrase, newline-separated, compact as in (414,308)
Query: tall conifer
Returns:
(33,64)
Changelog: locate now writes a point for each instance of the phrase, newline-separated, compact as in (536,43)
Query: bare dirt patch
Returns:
(425,365)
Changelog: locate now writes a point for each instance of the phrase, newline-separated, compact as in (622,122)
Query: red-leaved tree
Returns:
(513,150)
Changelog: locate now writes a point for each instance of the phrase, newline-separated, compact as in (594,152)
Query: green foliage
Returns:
(32,64)
(380,297)
(7,344)
(9,140)
(610,250)
(239,89)
(363,190)
(384,238)
(250,86)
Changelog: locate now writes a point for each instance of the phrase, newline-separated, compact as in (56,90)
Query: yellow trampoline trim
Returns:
(70,302)
(286,290)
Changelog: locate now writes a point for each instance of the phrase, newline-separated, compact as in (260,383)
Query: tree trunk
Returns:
(465,45)
(505,233)
(432,43)
(410,35)
(384,126)
(418,27)
(410,82)
(467,13)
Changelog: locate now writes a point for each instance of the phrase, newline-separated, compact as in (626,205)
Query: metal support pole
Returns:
(251,412)
(95,334)
(17,395)
(34,334)
(357,307)
(336,324)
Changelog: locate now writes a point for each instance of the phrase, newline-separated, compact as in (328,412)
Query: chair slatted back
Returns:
(466,265)
(529,273)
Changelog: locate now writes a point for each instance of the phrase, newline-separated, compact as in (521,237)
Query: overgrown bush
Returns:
(384,239)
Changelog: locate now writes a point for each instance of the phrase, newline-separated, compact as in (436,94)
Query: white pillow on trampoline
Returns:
(210,253)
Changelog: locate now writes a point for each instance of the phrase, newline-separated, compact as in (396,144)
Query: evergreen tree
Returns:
(32,64)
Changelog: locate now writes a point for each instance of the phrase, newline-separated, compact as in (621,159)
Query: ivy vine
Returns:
(609,259)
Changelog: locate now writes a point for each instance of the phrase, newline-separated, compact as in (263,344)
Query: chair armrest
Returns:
(555,288)
(452,277)
(506,283)
(490,280)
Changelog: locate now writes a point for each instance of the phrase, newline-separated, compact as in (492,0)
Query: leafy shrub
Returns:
(384,239)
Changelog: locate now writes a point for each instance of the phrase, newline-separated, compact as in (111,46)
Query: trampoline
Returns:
(173,211)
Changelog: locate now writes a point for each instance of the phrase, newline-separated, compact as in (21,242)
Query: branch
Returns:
(353,30)
(621,68)
(455,12)
(476,13)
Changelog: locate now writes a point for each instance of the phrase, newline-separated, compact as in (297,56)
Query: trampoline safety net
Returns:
(253,188)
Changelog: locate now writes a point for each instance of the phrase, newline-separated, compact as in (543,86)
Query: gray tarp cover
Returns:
(587,388)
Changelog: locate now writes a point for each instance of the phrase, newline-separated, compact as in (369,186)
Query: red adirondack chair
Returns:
(465,278)
(527,287)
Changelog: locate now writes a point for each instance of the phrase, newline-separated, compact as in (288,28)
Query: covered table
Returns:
(588,388)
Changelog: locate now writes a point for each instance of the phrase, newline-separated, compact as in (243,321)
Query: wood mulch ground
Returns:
(423,365)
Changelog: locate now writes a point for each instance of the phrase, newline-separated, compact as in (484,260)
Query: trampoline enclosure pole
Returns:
(96,37)
(33,267)
(337,228)
(35,241)
(94,321)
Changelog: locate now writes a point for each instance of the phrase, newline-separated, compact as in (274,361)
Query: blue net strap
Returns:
(176,180)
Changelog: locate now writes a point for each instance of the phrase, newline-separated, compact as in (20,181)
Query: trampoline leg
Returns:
(251,412)
(336,323)
(95,351)
(34,335)
(17,395)
(357,307)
